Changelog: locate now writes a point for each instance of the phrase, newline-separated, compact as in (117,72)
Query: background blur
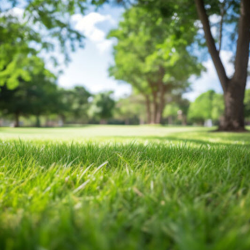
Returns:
(82,62)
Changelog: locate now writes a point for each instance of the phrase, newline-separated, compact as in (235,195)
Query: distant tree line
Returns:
(155,52)
(39,97)
(40,102)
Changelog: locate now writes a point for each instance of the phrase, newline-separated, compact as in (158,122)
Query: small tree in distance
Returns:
(102,106)
(208,105)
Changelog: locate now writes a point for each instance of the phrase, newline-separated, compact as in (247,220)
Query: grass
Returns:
(114,187)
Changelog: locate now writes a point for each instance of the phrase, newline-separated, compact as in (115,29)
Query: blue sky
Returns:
(89,65)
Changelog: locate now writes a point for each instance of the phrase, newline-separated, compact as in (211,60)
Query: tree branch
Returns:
(211,44)
(222,13)
(242,53)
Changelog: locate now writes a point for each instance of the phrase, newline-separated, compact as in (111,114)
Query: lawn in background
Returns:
(107,133)
(124,187)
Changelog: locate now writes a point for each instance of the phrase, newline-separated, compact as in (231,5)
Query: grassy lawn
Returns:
(117,187)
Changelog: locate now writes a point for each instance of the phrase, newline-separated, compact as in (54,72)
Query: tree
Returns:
(171,111)
(178,108)
(27,27)
(233,87)
(37,96)
(233,15)
(208,105)
(15,52)
(75,104)
(130,108)
(42,96)
(102,106)
(147,55)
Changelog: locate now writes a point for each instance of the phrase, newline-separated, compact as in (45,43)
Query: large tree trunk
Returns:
(233,119)
(233,88)
(16,124)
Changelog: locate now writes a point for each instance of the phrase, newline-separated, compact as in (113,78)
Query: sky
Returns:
(89,65)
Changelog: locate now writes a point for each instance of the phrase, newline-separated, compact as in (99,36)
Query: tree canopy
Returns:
(152,58)
(208,105)
(231,21)
(102,106)
(36,96)
(29,27)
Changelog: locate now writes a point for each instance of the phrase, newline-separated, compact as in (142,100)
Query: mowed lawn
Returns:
(124,187)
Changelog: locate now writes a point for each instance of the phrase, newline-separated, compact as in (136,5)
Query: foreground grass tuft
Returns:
(124,195)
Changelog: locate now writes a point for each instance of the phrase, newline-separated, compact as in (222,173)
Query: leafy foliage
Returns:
(247,104)
(130,108)
(36,96)
(30,27)
(208,105)
(102,105)
(75,104)
(151,57)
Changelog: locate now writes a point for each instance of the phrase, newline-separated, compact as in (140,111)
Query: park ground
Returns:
(124,187)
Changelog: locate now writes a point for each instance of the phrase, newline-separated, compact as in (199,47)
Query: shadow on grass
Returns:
(228,141)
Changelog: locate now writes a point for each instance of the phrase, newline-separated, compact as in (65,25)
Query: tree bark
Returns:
(234,95)
(222,13)
(233,88)
(16,124)
(233,119)
(211,43)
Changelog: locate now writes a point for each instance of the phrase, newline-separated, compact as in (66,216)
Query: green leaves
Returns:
(28,88)
(42,25)
(152,55)
(208,105)
(102,106)
(146,43)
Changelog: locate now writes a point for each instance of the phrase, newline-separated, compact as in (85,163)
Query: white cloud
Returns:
(214,18)
(104,45)
(87,25)
(15,12)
